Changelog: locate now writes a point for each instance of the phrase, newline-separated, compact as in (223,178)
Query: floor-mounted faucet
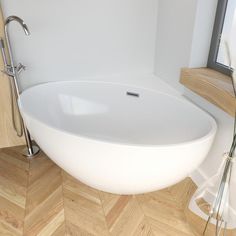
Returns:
(13,72)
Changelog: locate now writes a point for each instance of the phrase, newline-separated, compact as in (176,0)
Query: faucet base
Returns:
(30,153)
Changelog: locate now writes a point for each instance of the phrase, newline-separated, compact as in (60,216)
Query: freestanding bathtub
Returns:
(118,138)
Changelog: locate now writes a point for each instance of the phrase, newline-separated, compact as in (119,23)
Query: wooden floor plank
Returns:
(83,210)
(124,216)
(38,198)
(14,171)
(165,210)
(7,230)
(183,191)
(44,202)
(162,229)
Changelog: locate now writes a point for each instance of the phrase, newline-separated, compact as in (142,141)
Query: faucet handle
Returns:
(8,70)
(20,68)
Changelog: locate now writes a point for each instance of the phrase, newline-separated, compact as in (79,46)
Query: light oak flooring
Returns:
(38,198)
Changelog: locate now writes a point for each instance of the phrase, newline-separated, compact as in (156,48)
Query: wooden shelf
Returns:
(212,85)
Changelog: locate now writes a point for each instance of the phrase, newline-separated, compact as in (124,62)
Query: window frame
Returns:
(216,38)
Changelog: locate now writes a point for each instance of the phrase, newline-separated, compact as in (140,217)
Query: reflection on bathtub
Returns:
(74,106)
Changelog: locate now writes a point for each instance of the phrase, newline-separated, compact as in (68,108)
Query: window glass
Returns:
(228,34)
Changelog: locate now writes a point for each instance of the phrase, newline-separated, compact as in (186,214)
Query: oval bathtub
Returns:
(118,138)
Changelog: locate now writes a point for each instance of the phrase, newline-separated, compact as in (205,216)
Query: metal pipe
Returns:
(14,108)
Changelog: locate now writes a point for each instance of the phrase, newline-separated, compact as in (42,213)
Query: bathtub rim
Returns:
(178,97)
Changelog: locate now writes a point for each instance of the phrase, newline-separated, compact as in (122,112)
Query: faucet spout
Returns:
(20,21)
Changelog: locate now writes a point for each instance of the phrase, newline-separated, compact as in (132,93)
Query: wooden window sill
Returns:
(212,85)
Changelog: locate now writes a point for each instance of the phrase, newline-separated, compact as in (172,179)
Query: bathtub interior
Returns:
(116,113)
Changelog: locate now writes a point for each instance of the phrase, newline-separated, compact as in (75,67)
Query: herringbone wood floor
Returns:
(38,198)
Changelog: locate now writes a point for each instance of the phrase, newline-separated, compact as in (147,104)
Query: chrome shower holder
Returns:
(13,72)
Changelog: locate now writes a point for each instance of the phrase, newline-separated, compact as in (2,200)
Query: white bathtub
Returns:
(118,138)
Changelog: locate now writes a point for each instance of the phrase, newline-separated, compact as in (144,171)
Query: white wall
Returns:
(183,36)
(174,38)
(74,38)
(202,34)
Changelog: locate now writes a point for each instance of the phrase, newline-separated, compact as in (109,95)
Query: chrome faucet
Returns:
(13,72)
(20,21)
(11,69)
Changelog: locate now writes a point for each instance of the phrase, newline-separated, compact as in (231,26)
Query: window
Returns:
(224,30)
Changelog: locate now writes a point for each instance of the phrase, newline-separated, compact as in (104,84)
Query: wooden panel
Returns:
(8,136)
(214,86)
